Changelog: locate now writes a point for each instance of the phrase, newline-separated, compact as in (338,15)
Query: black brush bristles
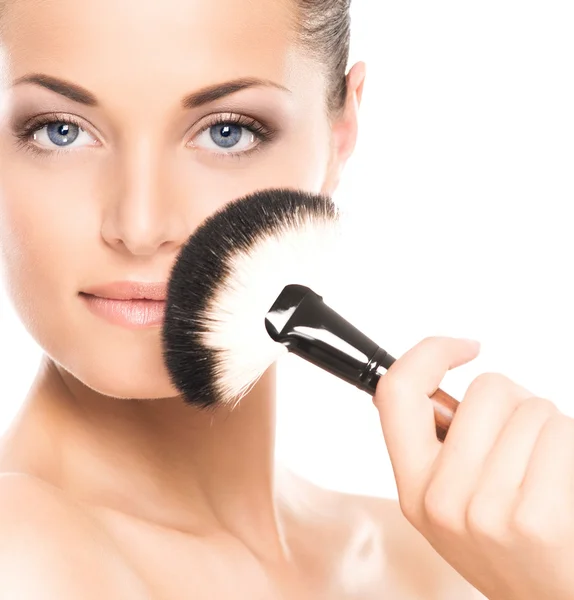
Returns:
(225,280)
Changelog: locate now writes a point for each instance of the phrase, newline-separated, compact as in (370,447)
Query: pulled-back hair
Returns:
(324,27)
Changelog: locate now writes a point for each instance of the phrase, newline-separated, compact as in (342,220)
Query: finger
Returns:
(504,469)
(547,489)
(405,410)
(488,404)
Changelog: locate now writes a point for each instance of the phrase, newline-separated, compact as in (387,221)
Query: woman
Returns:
(126,125)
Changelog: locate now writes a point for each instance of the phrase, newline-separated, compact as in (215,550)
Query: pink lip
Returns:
(129,290)
(133,314)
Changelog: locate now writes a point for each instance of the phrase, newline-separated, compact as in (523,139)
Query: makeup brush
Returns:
(241,294)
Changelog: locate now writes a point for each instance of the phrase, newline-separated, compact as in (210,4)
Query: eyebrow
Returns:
(204,96)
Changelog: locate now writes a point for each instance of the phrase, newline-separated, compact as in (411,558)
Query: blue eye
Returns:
(51,133)
(232,135)
(226,135)
(62,133)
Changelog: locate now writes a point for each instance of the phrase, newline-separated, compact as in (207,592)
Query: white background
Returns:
(460,198)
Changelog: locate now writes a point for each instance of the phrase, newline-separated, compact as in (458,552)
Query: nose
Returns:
(142,213)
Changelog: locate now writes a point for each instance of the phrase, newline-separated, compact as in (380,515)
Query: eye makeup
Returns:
(24,129)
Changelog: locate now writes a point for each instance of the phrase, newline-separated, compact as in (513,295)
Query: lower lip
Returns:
(134,314)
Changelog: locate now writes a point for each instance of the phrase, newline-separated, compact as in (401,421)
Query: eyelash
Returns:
(265,134)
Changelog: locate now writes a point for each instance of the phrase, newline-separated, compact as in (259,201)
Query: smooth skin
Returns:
(109,486)
(496,500)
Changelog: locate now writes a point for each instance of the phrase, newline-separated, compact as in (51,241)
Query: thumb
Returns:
(406,412)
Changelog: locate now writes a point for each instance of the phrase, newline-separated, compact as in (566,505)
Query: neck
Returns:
(166,462)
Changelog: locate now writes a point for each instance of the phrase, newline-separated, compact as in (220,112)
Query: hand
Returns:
(496,500)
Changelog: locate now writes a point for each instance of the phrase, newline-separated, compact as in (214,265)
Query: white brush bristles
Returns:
(304,253)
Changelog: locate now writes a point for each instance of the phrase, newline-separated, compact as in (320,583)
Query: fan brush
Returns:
(241,294)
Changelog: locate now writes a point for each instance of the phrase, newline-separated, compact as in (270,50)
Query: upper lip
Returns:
(130,290)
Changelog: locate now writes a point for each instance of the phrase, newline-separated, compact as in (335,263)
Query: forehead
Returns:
(161,43)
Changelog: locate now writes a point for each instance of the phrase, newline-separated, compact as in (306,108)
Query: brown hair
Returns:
(324,27)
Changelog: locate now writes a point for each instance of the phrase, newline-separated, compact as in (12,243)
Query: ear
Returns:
(344,129)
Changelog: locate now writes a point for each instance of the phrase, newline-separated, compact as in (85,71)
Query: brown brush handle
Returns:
(444,404)
(444,408)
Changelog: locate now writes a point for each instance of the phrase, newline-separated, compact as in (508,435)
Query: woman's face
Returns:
(106,184)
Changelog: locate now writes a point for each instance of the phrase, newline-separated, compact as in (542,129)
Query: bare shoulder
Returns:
(51,549)
(374,542)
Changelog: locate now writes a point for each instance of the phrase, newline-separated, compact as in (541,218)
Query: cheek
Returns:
(299,158)
(43,217)
(43,226)
(303,159)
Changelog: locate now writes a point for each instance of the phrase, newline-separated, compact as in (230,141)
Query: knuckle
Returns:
(481,519)
(486,382)
(496,388)
(391,385)
(537,405)
(535,528)
(411,510)
(439,509)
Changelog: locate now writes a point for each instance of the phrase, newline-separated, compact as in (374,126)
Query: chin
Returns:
(127,385)
(130,368)
(115,362)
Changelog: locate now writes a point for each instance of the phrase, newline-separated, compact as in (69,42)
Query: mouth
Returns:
(133,313)
(129,290)
(120,299)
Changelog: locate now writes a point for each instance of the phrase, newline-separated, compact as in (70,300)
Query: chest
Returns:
(203,567)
